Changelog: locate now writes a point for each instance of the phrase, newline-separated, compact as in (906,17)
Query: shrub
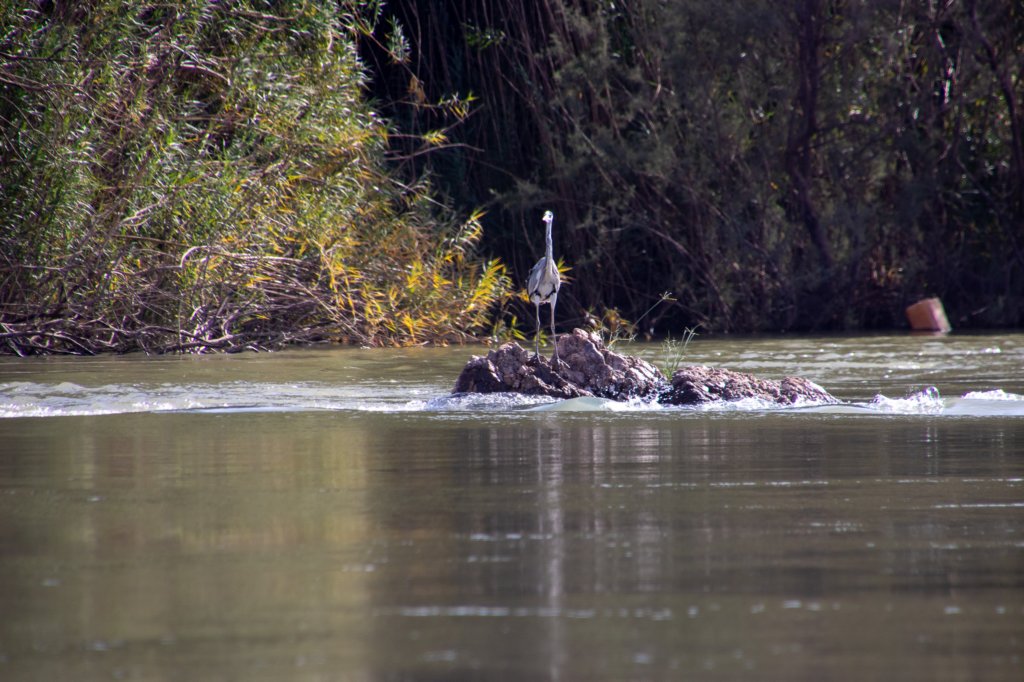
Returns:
(194,176)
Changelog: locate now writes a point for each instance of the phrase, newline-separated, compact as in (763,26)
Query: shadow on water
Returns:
(312,518)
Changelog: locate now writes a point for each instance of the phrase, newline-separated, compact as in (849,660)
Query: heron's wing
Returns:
(533,281)
(543,281)
(554,275)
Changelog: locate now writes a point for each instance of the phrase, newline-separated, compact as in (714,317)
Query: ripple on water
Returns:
(65,398)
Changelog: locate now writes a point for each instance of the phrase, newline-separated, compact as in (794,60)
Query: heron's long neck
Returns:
(549,250)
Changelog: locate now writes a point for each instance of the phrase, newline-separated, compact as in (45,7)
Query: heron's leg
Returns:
(554,339)
(536,337)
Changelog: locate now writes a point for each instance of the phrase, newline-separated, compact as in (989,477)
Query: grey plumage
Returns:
(543,284)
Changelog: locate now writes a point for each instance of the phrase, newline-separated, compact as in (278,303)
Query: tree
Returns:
(811,165)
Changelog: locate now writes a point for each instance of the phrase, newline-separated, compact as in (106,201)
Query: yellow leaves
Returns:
(563,268)
(412,280)
(409,324)
(377,266)
(439,282)
(374,311)
(416,90)
(435,138)
(457,106)
(491,283)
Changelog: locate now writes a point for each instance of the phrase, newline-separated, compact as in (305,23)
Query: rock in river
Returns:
(588,368)
(691,385)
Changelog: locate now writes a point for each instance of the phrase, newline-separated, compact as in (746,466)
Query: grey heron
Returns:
(542,286)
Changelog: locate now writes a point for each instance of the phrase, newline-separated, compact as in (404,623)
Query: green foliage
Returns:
(777,166)
(674,351)
(614,328)
(196,175)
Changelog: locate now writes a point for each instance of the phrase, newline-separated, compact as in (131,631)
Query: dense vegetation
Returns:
(806,164)
(197,175)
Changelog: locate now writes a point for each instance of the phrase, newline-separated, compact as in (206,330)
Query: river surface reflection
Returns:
(310,516)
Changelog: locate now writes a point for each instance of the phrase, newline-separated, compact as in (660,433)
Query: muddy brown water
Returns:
(333,515)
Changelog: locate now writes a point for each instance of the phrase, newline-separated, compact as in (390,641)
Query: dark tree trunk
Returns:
(1001,68)
(803,127)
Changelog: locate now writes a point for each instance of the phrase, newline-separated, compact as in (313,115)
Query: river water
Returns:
(334,515)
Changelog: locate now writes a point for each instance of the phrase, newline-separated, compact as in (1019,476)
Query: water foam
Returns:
(997,394)
(926,401)
(27,399)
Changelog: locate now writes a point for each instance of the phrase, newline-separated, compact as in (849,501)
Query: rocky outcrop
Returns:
(587,368)
(584,361)
(510,368)
(692,385)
